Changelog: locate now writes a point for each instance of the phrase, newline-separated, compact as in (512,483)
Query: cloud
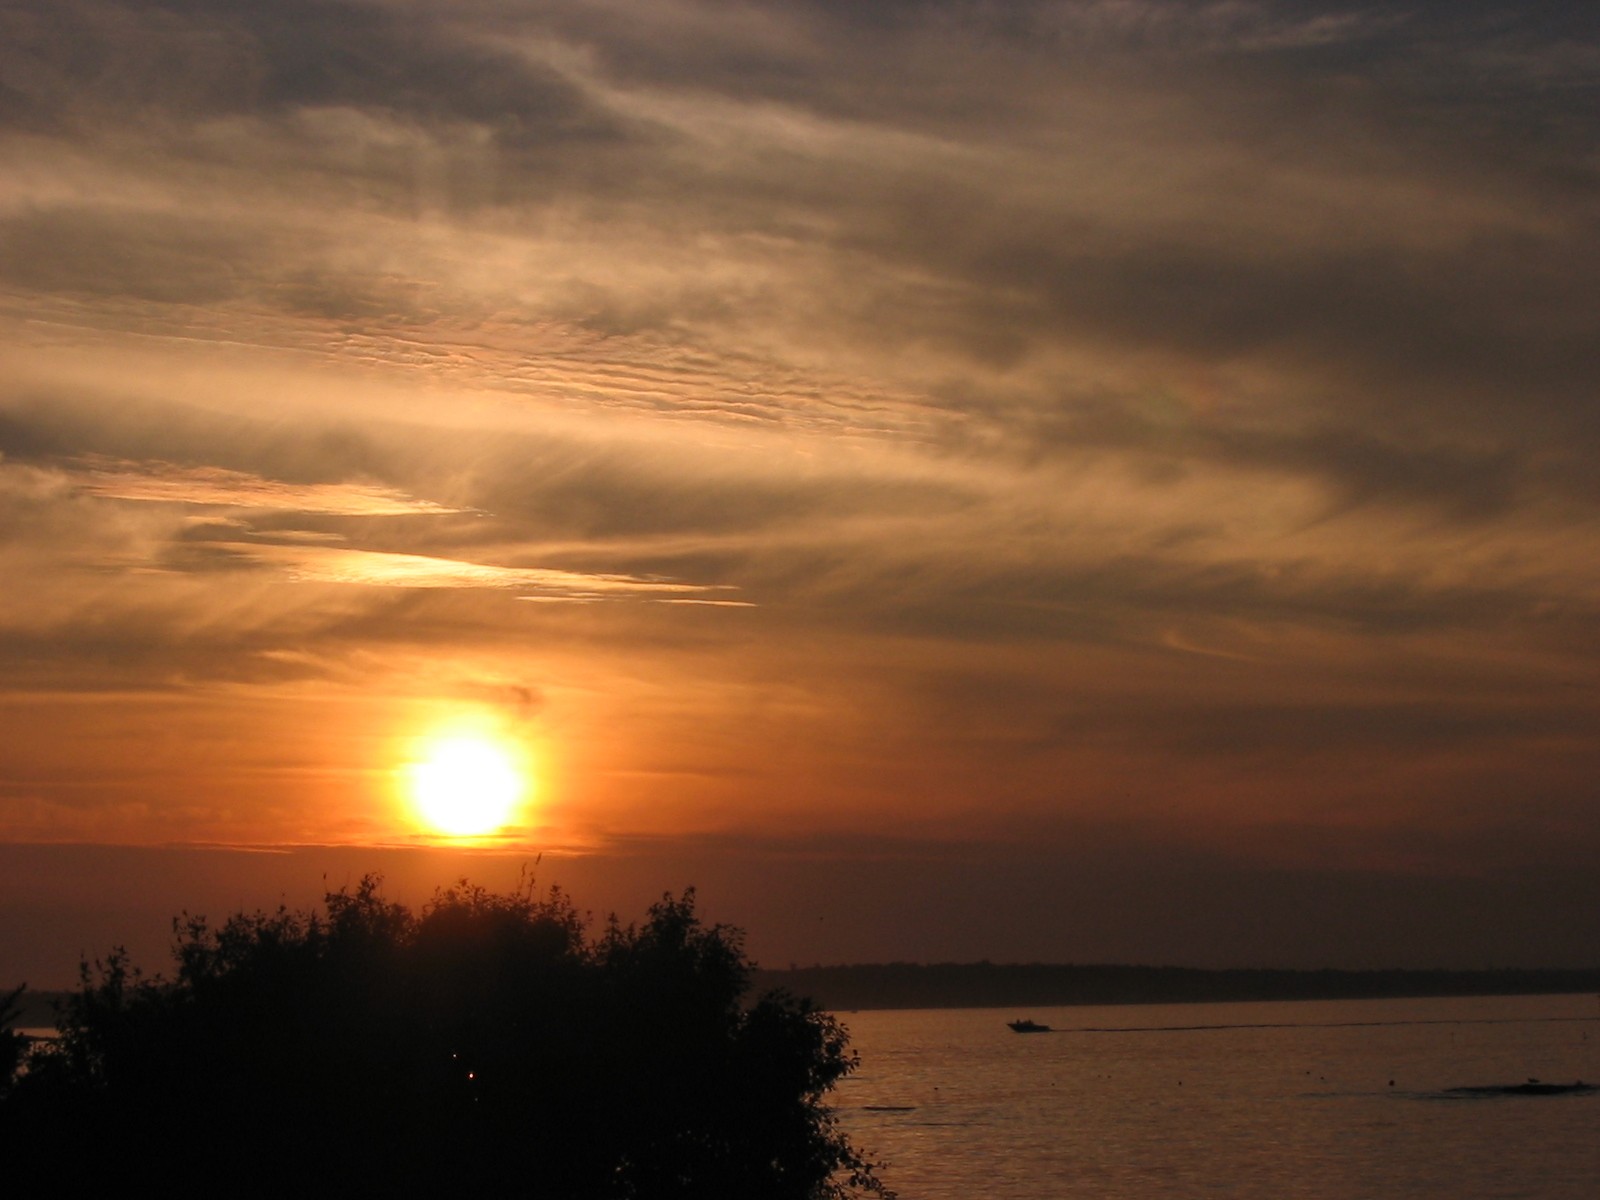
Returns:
(189,58)
(170,484)
(323,564)
(780,227)
(1175,399)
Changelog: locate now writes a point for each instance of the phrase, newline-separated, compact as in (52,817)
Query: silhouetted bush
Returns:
(486,1045)
(12,1043)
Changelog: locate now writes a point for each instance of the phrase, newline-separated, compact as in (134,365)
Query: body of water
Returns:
(1325,1100)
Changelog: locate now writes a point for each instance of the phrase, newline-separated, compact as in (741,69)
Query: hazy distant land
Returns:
(1000,985)
(1014,985)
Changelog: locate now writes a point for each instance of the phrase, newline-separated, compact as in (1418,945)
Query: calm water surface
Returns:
(1231,1100)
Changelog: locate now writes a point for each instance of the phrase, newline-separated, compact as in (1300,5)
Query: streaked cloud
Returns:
(169,484)
(1165,420)
(318,564)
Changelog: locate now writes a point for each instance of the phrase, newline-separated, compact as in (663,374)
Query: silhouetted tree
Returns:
(484,1045)
(12,1043)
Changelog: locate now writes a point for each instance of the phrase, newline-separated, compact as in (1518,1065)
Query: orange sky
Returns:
(923,451)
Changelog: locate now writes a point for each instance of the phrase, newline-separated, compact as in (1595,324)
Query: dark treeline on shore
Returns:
(998,985)
(38,1010)
(487,1044)
(1055,984)
(1008,985)
(1058,984)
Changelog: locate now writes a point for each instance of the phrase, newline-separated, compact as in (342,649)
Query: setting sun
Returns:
(466,786)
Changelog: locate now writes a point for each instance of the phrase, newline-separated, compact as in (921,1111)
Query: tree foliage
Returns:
(13,1045)
(487,1043)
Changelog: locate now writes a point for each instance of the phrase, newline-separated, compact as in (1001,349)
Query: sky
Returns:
(1043,481)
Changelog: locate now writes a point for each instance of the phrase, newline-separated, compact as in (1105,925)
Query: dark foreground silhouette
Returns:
(486,1045)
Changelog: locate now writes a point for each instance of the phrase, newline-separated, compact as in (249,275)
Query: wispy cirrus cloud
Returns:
(1178,411)
(373,568)
(216,486)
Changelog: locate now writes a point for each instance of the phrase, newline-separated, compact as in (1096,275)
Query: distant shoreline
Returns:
(998,985)
(1049,985)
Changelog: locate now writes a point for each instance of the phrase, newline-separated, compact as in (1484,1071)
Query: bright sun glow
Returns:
(466,786)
